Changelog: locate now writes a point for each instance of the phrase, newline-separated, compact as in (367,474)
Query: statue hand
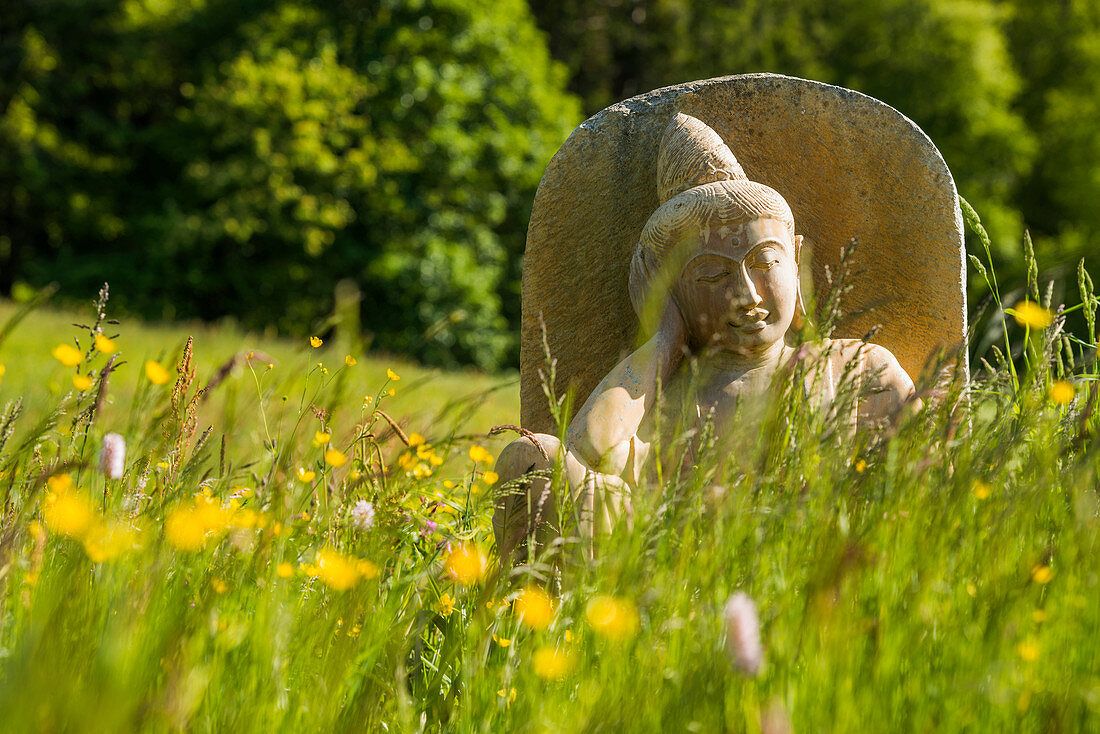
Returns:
(670,341)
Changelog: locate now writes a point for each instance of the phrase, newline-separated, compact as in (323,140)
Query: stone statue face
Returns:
(739,292)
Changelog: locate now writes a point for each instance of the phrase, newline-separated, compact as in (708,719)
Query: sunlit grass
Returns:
(310,566)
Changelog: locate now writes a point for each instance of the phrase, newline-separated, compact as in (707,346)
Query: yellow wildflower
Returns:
(466,564)
(479,455)
(860,465)
(392,375)
(320,438)
(284,570)
(209,512)
(335,458)
(1042,574)
(971,589)
(82,382)
(415,439)
(569,636)
(184,529)
(315,341)
(350,361)
(107,541)
(391,392)
(1039,615)
(3,369)
(69,513)
(502,641)
(306,475)
(36,529)
(67,355)
(490,477)
(1062,392)
(155,373)
(105,344)
(446,605)
(448,484)
(551,663)
(534,608)
(219,586)
(1028,650)
(367,569)
(981,489)
(509,694)
(336,570)
(612,617)
(435,459)
(1032,315)
(59,482)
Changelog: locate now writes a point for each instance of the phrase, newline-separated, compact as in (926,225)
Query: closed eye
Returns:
(713,278)
(765,264)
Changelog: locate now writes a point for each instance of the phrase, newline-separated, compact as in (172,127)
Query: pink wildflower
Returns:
(743,634)
(112,457)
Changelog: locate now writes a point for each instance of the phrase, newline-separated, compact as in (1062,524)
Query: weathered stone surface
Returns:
(851,168)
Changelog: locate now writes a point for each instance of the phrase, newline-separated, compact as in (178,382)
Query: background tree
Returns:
(214,159)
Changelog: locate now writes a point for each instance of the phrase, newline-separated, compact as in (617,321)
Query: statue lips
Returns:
(751,322)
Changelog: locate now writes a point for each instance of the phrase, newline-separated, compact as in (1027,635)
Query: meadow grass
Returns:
(944,575)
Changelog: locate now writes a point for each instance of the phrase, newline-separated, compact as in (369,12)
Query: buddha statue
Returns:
(719,261)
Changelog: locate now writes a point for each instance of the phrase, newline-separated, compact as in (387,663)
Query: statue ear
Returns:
(799,307)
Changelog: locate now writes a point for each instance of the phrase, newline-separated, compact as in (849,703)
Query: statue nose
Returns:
(742,293)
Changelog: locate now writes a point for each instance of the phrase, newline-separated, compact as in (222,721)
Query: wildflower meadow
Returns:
(297,537)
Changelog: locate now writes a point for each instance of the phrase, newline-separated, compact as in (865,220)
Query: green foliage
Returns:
(241,158)
(943,63)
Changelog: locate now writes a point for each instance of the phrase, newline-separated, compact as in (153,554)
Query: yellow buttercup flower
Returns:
(490,477)
(392,375)
(1028,650)
(415,439)
(155,373)
(1042,574)
(534,608)
(480,455)
(306,475)
(980,489)
(59,482)
(860,465)
(67,355)
(284,570)
(336,570)
(320,438)
(466,564)
(1032,315)
(1062,392)
(551,663)
(446,605)
(184,529)
(391,392)
(69,513)
(82,382)
(105,344)
(335,458)
(3,369)
(612,617)
(502,641)
(107,541)
(315,341)
(350,361)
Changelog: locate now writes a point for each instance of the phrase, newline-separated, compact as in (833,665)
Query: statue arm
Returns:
(604,433)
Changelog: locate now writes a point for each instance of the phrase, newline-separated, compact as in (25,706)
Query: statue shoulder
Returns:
(878,368)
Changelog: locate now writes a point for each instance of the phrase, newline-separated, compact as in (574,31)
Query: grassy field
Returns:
(944,577)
